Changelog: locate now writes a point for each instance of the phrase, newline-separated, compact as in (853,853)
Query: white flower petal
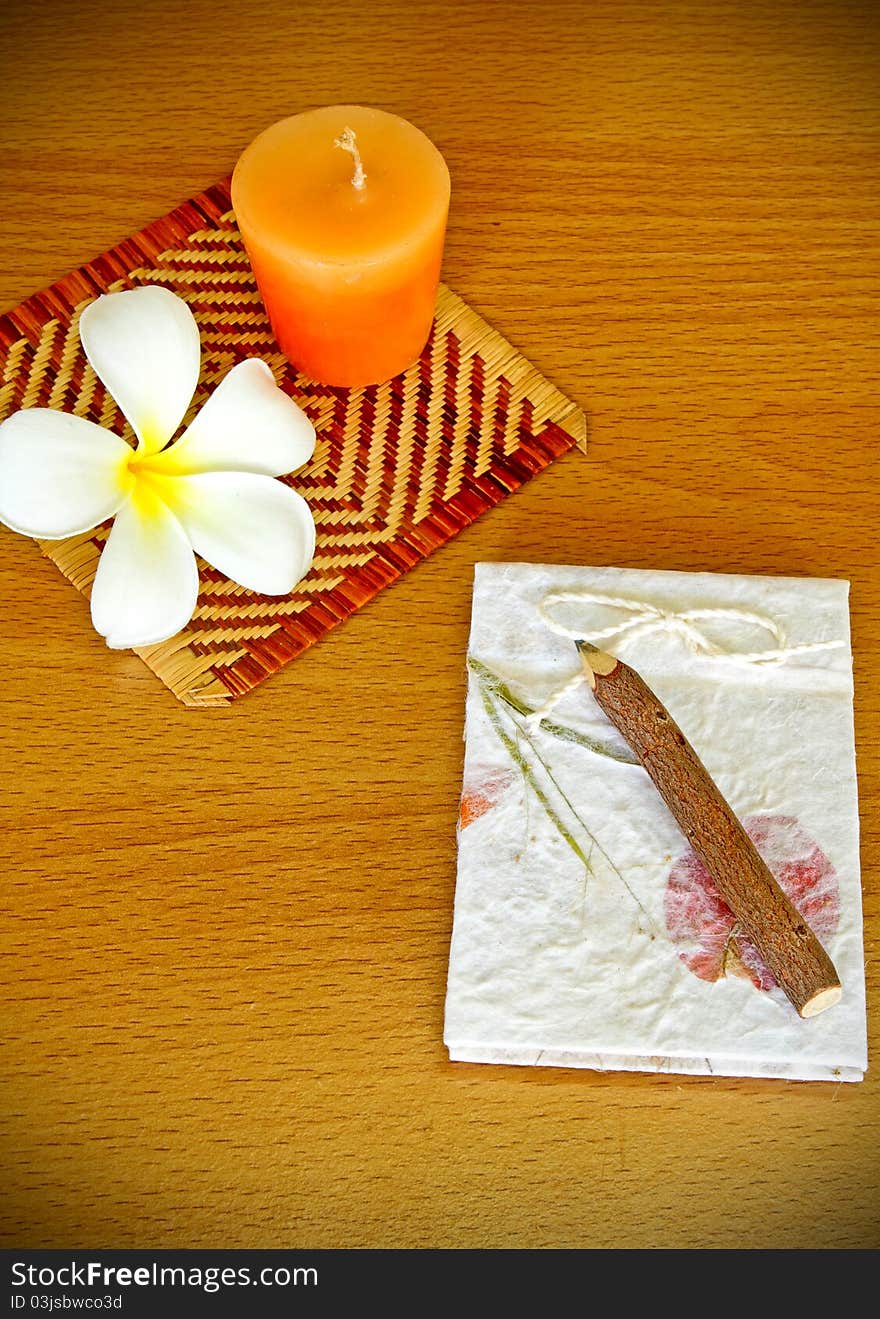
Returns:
(144,344)
(247,425)
(147,581)
(254,529)
(59,474)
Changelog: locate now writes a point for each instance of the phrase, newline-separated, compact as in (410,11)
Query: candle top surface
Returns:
(295,186)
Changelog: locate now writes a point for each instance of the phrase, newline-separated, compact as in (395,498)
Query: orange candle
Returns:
(343,213)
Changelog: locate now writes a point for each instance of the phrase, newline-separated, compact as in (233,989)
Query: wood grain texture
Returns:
(227,932)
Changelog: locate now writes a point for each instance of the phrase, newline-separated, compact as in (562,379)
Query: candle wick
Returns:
(347,140)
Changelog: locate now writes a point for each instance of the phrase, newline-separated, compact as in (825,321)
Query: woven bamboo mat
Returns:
(399,468)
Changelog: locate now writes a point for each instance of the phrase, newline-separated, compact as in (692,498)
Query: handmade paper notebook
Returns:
(586,932)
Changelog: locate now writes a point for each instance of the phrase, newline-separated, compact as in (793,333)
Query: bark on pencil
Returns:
(785,941)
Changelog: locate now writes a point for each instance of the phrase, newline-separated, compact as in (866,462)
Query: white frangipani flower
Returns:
(212,492)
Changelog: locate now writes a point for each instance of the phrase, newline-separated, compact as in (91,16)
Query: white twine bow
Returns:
(646,617)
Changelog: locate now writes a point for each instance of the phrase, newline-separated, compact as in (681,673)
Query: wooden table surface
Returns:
(227,931)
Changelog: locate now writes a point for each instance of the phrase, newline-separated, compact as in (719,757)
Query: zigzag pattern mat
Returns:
(399,468)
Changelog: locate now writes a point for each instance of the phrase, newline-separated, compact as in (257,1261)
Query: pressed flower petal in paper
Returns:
(481,795)
(704,928)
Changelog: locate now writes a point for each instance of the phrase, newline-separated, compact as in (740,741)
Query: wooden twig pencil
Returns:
(781,935)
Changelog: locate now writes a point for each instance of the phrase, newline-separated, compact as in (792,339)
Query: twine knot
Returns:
(645,617)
